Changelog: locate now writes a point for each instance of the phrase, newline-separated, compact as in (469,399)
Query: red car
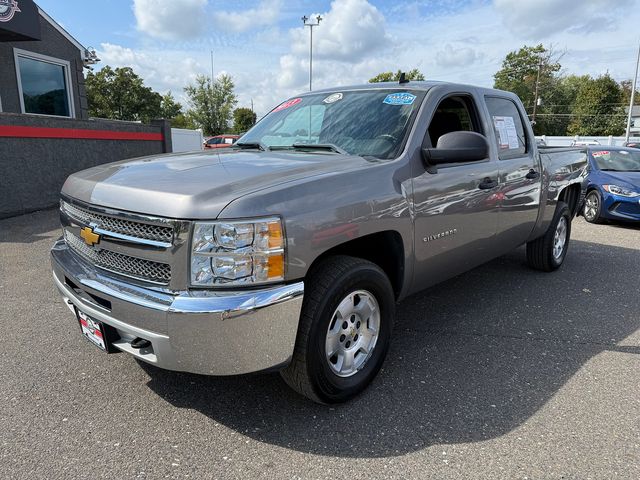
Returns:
(220,141)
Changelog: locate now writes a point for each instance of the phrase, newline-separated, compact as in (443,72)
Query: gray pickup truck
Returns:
(290,250)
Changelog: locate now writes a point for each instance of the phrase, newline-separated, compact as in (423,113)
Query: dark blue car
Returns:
(613,185)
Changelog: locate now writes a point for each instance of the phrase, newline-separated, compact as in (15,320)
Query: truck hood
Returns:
(197,185)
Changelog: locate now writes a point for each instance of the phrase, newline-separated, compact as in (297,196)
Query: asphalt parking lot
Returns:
(503,372)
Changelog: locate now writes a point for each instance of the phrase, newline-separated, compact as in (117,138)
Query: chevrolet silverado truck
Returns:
(290,250)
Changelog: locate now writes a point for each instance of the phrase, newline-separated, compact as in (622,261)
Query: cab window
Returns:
(510,136)
(453,114)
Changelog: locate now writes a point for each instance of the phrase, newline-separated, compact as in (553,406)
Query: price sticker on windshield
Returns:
(287,104)
(400,98)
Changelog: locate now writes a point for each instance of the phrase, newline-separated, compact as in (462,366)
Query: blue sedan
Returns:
(613,185)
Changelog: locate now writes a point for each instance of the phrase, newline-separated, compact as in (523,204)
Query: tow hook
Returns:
(139,343)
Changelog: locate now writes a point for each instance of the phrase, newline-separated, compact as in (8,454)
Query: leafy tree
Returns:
(211,103)
(521,71)
(243,119)
(626,86)
(169,108)
(183,121)
(414,74)
(120,94)
(598,108)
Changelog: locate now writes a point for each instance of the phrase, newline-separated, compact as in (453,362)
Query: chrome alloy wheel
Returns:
(352,333)
(591,207)
(560,238)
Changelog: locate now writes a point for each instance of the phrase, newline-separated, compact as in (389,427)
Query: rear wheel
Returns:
(592,207)
(548,252)
(344,332)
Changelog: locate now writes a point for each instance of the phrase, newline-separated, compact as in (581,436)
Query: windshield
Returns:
(362,122)
(617,160)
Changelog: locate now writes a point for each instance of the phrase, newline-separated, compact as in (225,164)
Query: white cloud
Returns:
(456,56)
(265,14)
(162,70)
(349,31)
(537,19)
(349,35)
(177,19)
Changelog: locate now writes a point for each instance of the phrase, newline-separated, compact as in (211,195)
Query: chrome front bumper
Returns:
(206,332)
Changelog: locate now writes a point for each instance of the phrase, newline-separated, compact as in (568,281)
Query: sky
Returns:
(264,46)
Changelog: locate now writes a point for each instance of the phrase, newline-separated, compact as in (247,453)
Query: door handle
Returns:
(487,184)
(532,174)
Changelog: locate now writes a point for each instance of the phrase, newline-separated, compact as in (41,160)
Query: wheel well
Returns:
(385,249)
(571,196)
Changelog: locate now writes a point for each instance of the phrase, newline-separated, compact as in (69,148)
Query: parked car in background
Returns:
(220,141)
(612,188)
(632,144)
(584,143)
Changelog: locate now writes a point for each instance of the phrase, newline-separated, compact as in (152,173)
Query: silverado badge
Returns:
(89,237)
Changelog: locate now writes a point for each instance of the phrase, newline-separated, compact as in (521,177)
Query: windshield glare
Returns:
(363,122)
(618,160)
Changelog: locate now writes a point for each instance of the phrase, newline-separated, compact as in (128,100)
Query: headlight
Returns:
(238,252)
(623,192)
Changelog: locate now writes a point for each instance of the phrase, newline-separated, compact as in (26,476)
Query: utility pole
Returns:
(633,94)
(311,25)
(535,95)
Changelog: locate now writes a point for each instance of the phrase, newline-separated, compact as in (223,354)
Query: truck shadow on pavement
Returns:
(472,359)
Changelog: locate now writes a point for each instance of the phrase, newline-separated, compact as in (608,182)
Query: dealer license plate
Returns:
(93,330)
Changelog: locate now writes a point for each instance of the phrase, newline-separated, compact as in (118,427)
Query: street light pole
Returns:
(311,25)
(633,94)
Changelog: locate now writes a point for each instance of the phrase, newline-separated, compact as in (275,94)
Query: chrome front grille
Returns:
(145,231)
(134,267)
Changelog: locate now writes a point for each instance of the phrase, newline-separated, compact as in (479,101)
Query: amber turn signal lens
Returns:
(276,266)
(275,235)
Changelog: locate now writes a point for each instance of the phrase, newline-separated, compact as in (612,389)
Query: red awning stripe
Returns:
(42,132)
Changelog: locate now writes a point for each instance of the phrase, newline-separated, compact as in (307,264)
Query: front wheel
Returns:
(548,252)
(592,207)
(344,332)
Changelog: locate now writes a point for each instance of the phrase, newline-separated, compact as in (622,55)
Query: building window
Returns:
(44,84)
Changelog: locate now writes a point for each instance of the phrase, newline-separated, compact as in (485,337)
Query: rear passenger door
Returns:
(519,179)
(455,208)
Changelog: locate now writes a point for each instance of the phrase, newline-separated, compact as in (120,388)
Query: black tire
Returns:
(593,196)
(331,281)
(540,252)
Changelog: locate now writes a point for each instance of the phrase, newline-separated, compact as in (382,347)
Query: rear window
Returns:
(509,130)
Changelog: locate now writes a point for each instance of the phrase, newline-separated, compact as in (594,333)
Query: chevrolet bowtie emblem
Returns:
(89,237)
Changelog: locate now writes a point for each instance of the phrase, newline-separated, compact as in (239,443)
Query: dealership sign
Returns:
(19,20)
(8,8)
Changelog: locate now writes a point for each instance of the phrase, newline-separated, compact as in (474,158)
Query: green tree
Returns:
(598,108)
(211,103)
(626,86)
(243,119)
(120,94)
(183,121)
(414,74)
(521,71)
(169,108)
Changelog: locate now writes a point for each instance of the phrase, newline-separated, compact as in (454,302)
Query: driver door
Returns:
(456,208)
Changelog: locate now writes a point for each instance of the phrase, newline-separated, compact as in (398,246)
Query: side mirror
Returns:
(457,147)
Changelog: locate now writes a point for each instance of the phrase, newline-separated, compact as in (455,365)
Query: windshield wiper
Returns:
(251,145)
(320,146)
